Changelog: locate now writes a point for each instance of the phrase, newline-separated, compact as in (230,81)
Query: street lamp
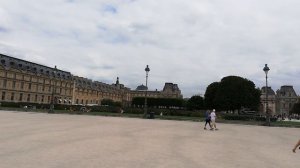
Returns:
(266,69)
(147,69)
(51,110)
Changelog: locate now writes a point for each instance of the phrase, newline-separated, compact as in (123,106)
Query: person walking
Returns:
(207,119)
(298,144)
(213,117)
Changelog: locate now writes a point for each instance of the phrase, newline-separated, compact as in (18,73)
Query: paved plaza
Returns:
(40,140)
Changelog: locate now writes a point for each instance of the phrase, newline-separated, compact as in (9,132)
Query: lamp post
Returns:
(51,110)
(281,109)
(147,69)
(266,69)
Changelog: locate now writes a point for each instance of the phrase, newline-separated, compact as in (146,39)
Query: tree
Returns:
(233,93)
(210,95)
(107,102)
(195,103)
(295,109)
(155,102)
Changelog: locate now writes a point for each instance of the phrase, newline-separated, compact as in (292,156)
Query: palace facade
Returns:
(279,103)
(24,81)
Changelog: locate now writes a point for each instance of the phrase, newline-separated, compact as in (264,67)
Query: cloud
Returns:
(190,43)
(110,9)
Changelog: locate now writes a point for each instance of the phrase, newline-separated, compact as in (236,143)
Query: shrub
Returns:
(246,118)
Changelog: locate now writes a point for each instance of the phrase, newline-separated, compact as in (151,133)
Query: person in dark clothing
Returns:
(207,119)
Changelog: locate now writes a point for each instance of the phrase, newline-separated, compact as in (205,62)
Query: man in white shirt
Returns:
(213,119)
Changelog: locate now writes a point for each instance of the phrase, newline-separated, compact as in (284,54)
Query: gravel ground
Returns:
(40,140)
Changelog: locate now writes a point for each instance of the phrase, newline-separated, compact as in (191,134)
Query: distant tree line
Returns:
(231,93)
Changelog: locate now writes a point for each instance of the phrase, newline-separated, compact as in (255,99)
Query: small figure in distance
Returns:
(207,119)
(298,144)
(213,117)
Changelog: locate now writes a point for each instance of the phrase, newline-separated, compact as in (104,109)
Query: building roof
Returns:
(270,90)
(142,87)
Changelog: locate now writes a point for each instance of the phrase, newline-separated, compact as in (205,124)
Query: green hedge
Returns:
(22,104)
(246,118)
(167,112)
(110,109)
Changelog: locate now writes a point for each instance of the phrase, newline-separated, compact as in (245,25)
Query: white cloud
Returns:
(192,43)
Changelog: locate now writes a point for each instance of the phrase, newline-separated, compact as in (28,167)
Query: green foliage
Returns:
(109,102)
(295,109)
(22,104)
(210,95)
(232,93)
(155,102)
(246,118)
(195,103)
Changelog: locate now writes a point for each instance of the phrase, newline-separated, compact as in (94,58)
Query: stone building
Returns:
(170,90)
(280,103)
(88,92)
(286,97)
(271,101)
(24,81)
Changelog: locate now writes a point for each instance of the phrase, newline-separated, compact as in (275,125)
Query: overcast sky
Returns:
(188,42)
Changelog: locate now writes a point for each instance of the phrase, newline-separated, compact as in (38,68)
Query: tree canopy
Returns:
(296,109)
(154,102)
(195,103)
(232,93)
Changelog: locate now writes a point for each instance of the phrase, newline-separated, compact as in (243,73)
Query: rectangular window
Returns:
(21,97)
(22,85)
(3,96)
(60,90)
(42,98)
(43,88)
(77,101)
(4,83)
(12,96)
(28,98)
(48,98)
(35,99)
(14,84)
(86,102)
(29,86)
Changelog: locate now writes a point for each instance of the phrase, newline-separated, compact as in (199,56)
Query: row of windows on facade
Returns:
(39,80)
(283,104)
(55,83)
(98,94)
(45,81)
(13,97)
(87,101)
(29,87)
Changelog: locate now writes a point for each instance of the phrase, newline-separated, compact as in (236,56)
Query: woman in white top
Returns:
(213,119)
